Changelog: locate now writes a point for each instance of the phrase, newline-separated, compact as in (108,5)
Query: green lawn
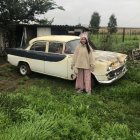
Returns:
(46,108)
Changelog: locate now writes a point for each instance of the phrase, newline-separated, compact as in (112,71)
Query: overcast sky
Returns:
(127,12)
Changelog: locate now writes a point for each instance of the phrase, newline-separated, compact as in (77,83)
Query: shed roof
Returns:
(55,26)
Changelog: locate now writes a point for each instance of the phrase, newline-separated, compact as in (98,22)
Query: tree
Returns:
(112,25)
(15,11)
(95,22)
(45,21)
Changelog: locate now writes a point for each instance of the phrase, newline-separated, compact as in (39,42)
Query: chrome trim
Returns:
(115,78)
(115,69)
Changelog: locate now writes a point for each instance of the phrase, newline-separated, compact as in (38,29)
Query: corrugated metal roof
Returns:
(55,26)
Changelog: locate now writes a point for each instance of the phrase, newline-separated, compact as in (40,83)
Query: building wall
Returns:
(22,34)
(43,31)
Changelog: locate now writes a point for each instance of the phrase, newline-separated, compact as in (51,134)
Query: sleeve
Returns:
(74,58)
(92,60)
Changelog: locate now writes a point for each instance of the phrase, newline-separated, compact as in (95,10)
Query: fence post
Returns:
(130,33)
(123,34)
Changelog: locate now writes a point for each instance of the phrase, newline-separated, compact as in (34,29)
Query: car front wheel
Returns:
(24,69)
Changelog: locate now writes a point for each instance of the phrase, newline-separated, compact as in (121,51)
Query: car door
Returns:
(69,50)
(36,56)
(56,61)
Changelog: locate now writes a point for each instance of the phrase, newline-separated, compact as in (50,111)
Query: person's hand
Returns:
(92,67)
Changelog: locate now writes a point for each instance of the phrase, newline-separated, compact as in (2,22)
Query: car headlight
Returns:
(125,60)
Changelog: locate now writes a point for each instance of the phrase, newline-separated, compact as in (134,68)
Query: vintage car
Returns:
(52,55)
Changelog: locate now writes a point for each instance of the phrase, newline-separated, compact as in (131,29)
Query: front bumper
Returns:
(115,75)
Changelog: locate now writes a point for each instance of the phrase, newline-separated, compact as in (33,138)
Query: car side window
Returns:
(55,47)
(39,46)
(71,46)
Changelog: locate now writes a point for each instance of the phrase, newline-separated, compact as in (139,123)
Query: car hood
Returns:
(109,57)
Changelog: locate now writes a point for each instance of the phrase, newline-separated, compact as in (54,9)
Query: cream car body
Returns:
(52,55)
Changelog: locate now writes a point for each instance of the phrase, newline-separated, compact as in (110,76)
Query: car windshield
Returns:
(71,46)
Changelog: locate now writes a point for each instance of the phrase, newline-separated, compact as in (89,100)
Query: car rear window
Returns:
(39,46)
(71,46)
(55,47)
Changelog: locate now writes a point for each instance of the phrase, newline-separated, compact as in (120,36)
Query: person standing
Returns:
(84,62)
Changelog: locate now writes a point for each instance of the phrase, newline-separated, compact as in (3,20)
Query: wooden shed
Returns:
(22,33)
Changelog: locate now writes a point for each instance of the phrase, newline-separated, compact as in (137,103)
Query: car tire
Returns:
(24,69)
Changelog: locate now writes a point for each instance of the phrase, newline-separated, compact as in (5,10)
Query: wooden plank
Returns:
(136,54)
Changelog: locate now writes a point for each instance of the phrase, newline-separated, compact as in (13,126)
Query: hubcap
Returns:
(23,69)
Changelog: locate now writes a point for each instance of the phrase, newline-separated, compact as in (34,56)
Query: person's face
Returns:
(83,40)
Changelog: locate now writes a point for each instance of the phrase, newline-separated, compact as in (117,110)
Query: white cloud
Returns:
(126,11)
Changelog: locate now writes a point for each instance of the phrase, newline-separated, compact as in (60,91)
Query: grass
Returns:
(115,43)
(43,107)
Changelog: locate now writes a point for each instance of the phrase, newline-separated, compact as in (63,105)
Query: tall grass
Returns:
(114,42)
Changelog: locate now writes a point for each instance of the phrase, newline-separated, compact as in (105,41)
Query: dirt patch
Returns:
(10,79)
(3,60)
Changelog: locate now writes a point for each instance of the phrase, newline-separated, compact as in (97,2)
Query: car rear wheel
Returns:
(24,69)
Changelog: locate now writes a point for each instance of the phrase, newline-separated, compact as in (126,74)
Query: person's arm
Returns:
(92,60)
(74,58)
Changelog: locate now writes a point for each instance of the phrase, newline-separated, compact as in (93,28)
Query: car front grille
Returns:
(115,72)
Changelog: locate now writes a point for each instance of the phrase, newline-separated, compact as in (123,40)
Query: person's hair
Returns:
(92,45)
(87,46)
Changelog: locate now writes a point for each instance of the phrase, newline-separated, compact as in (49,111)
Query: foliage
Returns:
(45,21)
(95,22)
(106,42)
(49,108)
(112,24)
(15,11)
(113,42)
